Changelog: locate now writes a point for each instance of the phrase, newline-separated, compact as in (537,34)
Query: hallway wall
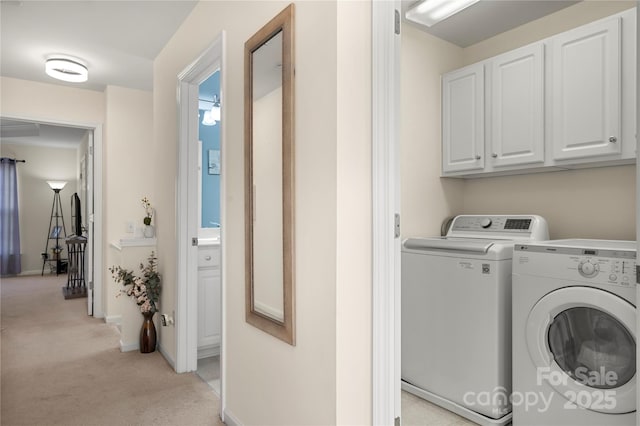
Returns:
(315,380)
(127,156)
(54,102)
(128,164)
(426,198)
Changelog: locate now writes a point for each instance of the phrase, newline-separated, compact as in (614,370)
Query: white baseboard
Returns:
(32,272)
(268,310)
(115,320)
(208,351)
(128,347)
(166,356)
(230,419)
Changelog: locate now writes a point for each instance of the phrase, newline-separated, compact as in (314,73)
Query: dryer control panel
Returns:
(605,270)
(614,262)
(500,226)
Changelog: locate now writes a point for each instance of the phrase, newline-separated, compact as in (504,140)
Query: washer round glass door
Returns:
(582,341)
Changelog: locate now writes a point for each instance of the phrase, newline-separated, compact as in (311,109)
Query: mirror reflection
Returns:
(269,178)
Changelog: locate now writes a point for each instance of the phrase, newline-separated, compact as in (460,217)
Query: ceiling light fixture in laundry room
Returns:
(430,12)
(66,69)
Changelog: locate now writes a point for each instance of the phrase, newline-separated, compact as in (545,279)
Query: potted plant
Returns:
(145,291)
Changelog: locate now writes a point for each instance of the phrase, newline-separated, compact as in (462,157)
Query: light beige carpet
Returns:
(62,367)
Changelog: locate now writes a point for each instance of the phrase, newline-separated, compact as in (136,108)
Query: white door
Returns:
(463,119)
(586,91)
(187,224)
(637,211)
(517,101)
(386,398)
(87,187)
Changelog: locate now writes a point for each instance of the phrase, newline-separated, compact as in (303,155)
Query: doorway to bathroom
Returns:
(209,303)
(200,219)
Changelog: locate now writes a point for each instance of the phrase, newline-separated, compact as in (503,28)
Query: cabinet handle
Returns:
(613,139)
(207,258)
(478,157)
(494,155)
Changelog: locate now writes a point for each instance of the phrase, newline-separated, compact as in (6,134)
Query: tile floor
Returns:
(418,412)
(209,371)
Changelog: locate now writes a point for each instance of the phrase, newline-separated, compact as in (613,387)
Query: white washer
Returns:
(574,333)
(456,314)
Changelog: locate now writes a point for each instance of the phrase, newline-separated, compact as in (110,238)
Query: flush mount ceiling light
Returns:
(66,70)
(430,12)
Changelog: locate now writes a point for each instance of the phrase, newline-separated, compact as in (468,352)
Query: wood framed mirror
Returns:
(269,177)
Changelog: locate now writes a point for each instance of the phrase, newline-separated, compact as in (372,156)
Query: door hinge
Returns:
(397,422)
(397,226)
(194,241)
(90,285)
(90,150)
(397,22)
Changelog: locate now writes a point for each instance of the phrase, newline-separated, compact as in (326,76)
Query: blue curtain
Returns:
(9,225)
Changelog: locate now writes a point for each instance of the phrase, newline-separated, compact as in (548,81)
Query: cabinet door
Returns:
(463,119)
(586,91)
(517,99)
(209,307)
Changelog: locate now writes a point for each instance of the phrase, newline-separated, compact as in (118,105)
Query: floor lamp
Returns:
(56,231)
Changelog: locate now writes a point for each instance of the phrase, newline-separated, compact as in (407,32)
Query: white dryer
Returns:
(574,333)
(456,314)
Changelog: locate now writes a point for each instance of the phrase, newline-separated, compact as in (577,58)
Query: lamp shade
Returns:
(56,184)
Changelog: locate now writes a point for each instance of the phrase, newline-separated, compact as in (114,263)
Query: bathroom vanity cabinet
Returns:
(209,300)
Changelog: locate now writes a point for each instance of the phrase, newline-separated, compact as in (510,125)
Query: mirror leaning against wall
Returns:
(269,177)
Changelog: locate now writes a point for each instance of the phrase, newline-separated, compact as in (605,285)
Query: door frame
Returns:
(637,208)
(188,83)
(95,247)
(386,358)
(386,396)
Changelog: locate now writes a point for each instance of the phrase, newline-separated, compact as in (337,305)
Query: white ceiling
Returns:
(39,134)
(488,18)
(118,40)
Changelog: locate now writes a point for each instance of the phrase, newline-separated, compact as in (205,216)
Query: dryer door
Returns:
(583,343)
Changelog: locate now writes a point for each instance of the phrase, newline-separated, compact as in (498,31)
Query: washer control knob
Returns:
(486,222)
(588,269)
(613,277)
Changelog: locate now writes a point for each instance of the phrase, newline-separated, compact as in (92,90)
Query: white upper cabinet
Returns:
(565,102)
(463,119)
(586,95)
(517,107)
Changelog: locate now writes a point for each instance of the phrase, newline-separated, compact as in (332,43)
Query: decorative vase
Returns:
(148,231)
(148,334)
